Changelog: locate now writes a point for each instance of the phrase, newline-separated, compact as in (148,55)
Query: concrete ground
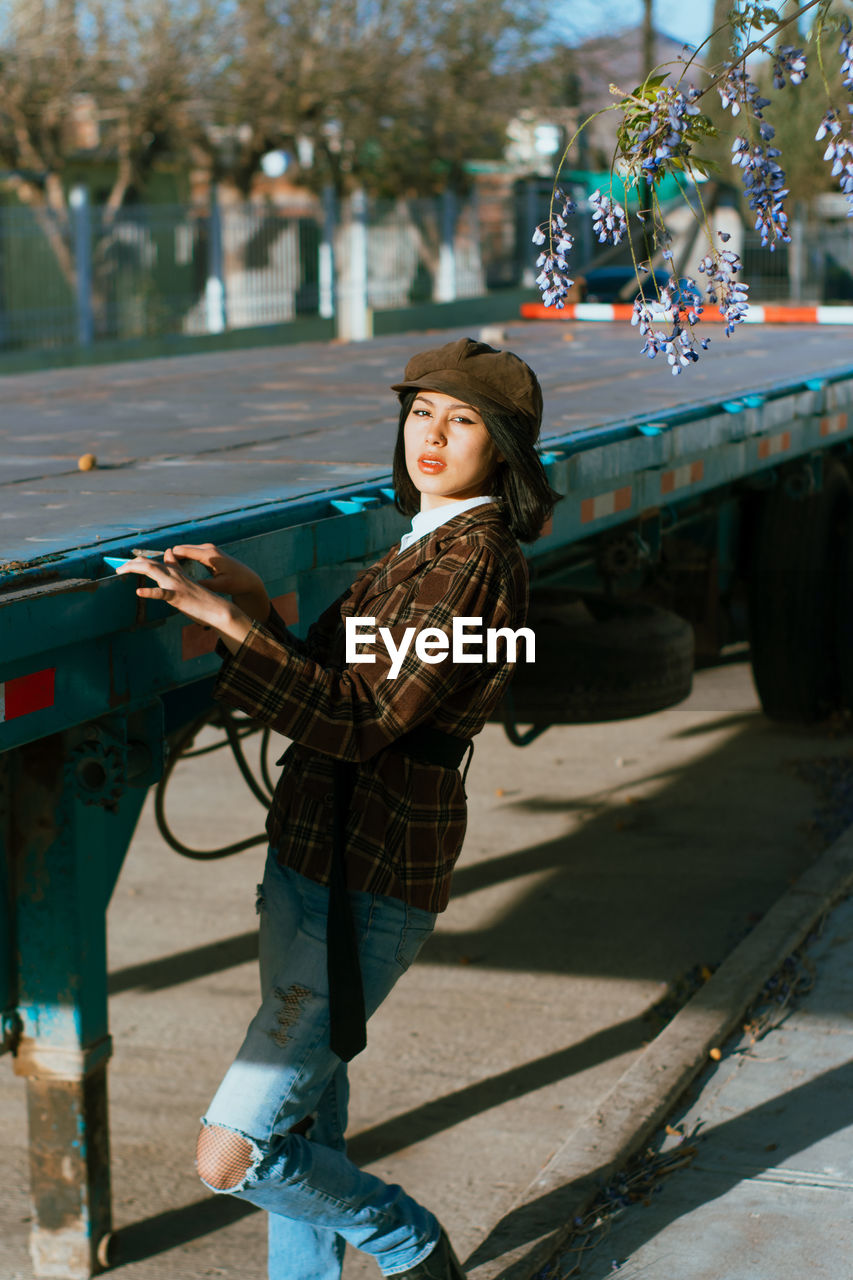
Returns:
(766,1188)
(604,866)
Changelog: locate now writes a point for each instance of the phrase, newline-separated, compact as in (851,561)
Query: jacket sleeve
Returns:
(354,712)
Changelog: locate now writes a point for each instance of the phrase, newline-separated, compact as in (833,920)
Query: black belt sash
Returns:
(348,1034)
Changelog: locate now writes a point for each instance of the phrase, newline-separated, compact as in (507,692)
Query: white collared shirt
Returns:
(425,521)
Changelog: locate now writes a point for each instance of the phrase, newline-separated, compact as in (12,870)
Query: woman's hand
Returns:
(193,599)
(230,578)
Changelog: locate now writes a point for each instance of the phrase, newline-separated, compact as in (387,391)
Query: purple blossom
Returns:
(729,295)
(829,124)
(656,136)
(846,49)
(680,309)
(608,219)
(553,280)
(791,62)
(764,184)
(840,151)
(666,134)
(737,91)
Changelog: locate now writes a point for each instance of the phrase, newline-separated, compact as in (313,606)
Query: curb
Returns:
(539,1222)
(607,311)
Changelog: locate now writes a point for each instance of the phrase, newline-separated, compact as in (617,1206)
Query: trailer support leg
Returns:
(65,851)
(69,1174)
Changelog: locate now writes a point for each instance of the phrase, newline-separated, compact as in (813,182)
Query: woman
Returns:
(369,815)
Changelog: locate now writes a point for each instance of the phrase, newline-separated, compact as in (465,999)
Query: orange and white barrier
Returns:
(755,315)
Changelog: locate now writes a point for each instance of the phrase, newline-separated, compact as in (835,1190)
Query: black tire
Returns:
(599,659)
(793,598)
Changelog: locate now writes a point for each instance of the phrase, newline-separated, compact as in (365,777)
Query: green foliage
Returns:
(644,126)
(749,18)
(393,95)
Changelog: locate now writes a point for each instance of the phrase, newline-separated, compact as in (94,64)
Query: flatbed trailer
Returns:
(282,457)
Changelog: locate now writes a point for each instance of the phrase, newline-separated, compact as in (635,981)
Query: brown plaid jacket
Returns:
(407,819)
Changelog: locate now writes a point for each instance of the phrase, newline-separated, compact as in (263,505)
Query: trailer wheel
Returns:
(793,598)
(600,659)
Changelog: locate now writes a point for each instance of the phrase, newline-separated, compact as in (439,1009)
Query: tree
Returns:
(110,78)
(393,95)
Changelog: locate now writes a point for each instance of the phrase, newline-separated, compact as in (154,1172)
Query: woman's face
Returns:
(449,452)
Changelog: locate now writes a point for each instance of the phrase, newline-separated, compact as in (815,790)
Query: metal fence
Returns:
(816,267)
(153,270)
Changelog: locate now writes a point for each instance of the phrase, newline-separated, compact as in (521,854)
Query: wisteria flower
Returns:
(790,62)
(840,151)
(666,135)
(681,309)
(846,51)
(725,292)
(608,220)
(554,281)
(737,91)
(764,184)
(661,122)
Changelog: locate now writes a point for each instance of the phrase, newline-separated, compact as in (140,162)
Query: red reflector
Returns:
(27,693)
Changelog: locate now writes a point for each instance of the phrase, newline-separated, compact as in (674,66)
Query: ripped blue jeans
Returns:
(316,1198)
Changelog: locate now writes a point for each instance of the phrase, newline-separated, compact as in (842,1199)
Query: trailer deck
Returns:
(195,437)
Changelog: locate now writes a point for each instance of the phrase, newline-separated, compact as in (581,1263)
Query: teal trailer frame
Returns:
(93,681)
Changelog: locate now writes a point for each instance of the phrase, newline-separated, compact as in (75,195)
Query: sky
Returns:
(688,20)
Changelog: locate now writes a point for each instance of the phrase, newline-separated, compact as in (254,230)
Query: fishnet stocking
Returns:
(223,1158)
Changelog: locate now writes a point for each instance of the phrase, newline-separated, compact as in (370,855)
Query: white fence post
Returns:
(214,290)
(326,256)
(82,220)
(354,317)
(531,207)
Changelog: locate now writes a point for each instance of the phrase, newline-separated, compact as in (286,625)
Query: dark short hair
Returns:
(520,485)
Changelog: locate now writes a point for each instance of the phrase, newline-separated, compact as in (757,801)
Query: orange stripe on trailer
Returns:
(287,607)
(25,694)
(606,504)
(197,641)
(772,445)
(833,423)
(681,477)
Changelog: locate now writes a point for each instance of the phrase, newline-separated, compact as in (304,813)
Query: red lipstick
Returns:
(430,464)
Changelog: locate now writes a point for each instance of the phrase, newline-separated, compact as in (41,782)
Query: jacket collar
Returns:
(393,569)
